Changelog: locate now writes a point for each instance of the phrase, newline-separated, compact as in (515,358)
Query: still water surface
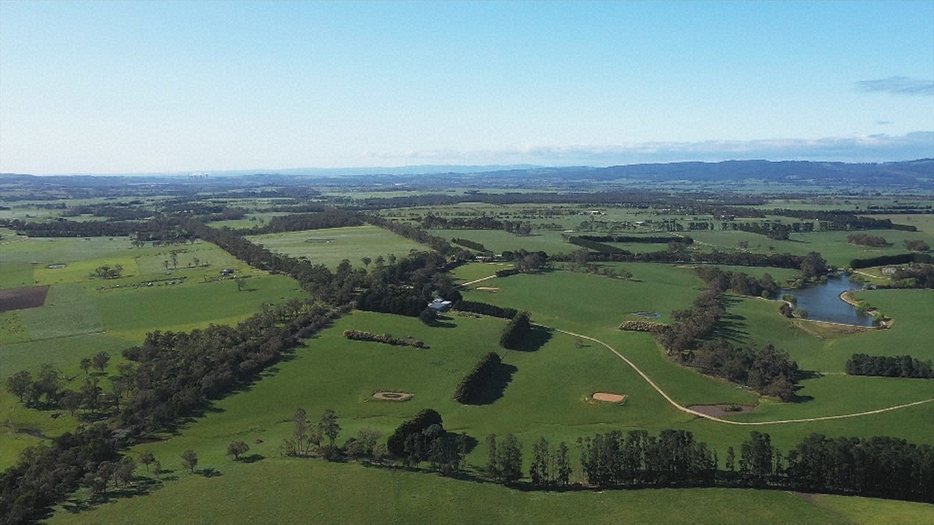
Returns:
(822,301)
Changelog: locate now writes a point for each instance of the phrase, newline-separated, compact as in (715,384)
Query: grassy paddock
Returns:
(351,243)
(310,491)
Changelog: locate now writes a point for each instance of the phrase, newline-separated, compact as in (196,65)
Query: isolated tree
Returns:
(101,360)
(18,384)
(367,437)
(147,458)
(240,283)
(174,256)
(125,470)
(328,425)
(236,448)
(49,382)
(157,468)
(91,393)
(366,262)
(380,261)
(71,401)
(86,365)
(428,316)
(189,460)
(300,431)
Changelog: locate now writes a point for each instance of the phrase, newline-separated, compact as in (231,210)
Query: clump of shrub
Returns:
(642,326)
(360,335)
(515,331)
(478,307)
(473,384)
(421,421)
(505,272)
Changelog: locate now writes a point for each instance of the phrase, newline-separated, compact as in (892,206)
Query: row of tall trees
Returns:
(875,467)
(889,366)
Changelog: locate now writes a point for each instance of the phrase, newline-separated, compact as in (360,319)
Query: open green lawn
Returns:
(331,246)
(308,491)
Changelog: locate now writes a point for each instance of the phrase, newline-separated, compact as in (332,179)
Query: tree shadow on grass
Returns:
(209,472)
(496,387)
(252,458)
(536,338)
(141,486)
(732,328)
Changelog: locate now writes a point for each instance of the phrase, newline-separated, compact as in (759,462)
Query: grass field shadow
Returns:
(538,336)
(252,458)
(141,486)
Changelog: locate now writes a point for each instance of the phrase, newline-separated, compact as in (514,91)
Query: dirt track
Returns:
(727,421)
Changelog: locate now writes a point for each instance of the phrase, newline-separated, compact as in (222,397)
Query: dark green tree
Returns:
(190,460)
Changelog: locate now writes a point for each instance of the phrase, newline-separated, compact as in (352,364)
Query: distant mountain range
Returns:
(913,175)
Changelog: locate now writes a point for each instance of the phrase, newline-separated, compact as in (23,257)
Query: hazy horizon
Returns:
(177,87)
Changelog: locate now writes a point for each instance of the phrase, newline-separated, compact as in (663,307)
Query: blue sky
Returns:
(134,87)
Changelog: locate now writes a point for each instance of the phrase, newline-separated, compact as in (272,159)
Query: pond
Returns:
(823,303)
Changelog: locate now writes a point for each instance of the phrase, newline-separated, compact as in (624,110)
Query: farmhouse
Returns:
(440,305)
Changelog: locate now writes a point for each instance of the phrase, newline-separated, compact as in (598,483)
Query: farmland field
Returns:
(544,390)
(331,246)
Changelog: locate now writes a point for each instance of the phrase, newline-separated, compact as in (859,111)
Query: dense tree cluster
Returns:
(840,220)
(738,282)
(471,387)
(916,245)
(46,473)
(328,218)
(492,310)
(767,370)
(418,423)
(889,366)
(484,222)
(914,276)
(515,331)
(640,459)
(173,374)
(506,272)
(597,246)
(504,459)
(864,239)
(651,239)
(467,243)
(361,335)
(886,260)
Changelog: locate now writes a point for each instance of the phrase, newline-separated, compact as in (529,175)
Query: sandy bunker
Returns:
(392,396)
(609,398)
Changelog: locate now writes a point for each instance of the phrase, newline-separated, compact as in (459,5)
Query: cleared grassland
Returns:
(331,246)
(295,491)
(870,511)
(499,241)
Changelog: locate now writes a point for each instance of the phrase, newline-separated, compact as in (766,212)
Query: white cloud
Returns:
(868,148)
(897,86)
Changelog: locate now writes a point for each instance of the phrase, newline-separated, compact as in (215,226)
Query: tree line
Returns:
(889,366)
(362,335)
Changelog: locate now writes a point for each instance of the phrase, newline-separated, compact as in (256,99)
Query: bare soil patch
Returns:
(609,398)
(392,396)
(722,410)
(22,298)
(488,288)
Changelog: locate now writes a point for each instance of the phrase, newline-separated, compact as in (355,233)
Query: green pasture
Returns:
(832,246)
(583,301)
(51,250)
(871,511)
(331,246)
(288,491)
(498,241)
